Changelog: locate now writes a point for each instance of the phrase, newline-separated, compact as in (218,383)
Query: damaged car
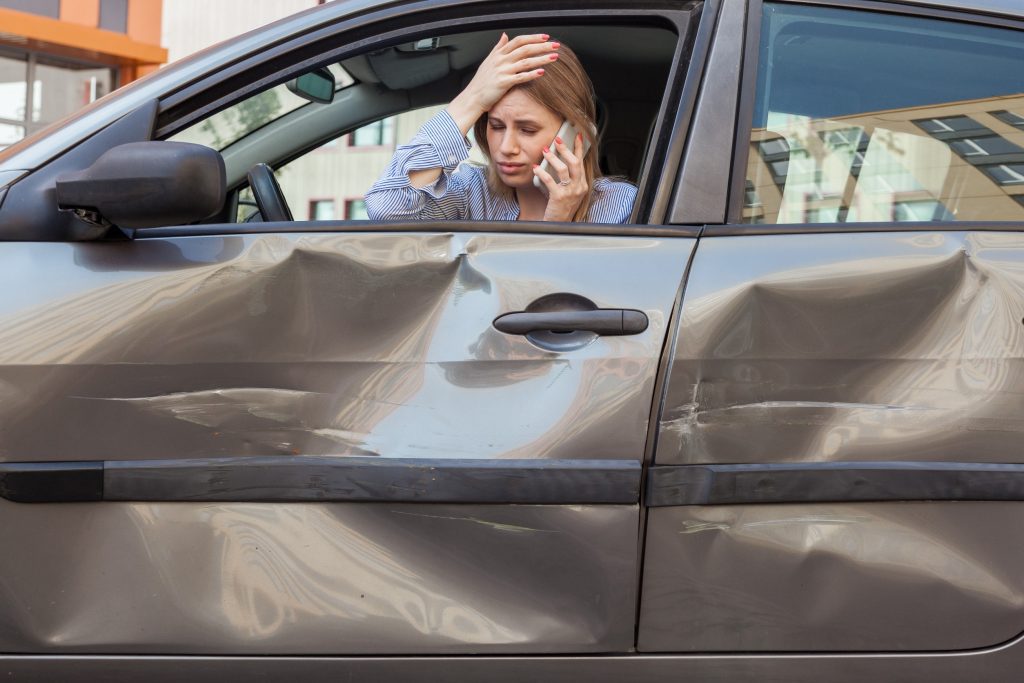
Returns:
(243,437)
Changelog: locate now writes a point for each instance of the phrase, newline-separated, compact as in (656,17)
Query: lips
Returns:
(510,169)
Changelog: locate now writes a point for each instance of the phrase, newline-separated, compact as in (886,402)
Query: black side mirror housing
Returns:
(316,86)
(146,185)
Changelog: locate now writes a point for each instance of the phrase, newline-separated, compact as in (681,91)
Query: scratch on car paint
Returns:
(513,528)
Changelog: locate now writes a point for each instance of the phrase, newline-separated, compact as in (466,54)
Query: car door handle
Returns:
(602,321)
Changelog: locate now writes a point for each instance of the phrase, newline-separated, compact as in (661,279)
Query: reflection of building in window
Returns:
(1006,174)
(321,210)
(775,152)
(376,134)
(951,161)
(1010,117)
(355,210)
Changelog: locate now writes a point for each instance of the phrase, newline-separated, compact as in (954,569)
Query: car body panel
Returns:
(887,346)
(817,348)
(324,344)
(317,578)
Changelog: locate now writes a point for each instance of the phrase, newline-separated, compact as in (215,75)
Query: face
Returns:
(518,128)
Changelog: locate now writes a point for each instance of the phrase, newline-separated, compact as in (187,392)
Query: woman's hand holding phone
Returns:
(563,179)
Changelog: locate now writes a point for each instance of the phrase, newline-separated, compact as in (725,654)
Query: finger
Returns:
(521,77)
(533,50)
(546,178)
(578,146)
(560,169)
(534,62)
(566,155)
(519,41)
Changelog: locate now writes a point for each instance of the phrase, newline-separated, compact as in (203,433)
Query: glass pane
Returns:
(374,134)
(355,210)
(868,117)
(234,123)
(59,90)
(341,170)
(13,73)
(321,210)
(10,134)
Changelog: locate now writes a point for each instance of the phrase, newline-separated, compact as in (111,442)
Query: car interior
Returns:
(629,66)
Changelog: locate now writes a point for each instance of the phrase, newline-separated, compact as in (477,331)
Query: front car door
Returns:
(272,439)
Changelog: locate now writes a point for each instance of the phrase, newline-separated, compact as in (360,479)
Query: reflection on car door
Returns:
(841,433)
(319,443)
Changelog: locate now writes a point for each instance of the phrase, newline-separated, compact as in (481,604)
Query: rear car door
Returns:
(839,462)
(265,439)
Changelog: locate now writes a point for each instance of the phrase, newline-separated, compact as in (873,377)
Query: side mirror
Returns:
(146,185)
(316,86)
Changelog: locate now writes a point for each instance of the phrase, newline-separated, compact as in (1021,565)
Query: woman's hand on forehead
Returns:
(510,63)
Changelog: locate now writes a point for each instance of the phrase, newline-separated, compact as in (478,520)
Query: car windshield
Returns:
(234,123)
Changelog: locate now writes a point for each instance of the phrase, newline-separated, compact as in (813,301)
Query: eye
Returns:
(528,131)
(495,125)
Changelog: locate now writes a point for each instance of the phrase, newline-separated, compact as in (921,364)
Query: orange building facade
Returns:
(59,55)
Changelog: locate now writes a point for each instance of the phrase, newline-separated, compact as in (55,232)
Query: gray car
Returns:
(770,430)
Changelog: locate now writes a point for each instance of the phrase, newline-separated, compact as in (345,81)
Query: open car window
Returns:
(326,155)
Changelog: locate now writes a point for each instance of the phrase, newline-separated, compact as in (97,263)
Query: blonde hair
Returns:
(566,90)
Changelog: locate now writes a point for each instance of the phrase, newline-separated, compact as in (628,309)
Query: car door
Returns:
(266,439)
(838,466)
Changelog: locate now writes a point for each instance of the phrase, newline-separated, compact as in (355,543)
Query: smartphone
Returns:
(568,134)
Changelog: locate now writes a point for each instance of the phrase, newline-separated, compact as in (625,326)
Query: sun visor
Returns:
(407,67)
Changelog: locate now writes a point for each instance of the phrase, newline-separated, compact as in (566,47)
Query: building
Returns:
(57,56)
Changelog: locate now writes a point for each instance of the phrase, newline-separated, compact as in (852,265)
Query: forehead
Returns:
(517,105)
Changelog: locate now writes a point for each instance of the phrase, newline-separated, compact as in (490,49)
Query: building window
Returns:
(355,210)
(1010,117)
(36,90)
(1006,174)
(950,124)
(376,134)
(984,146)
(321,210)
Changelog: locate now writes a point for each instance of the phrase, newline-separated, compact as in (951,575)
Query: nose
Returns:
(509,143)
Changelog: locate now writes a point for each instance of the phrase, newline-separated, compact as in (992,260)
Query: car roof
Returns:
(1011,8)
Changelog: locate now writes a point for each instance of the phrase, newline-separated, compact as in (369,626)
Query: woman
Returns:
(516,103)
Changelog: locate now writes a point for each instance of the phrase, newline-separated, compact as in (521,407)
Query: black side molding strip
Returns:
(327,479)
(51,482)
(832,482)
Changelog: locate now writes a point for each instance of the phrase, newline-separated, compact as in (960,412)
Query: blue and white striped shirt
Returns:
(462,193)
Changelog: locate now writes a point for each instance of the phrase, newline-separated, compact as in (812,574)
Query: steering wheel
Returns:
(269,198)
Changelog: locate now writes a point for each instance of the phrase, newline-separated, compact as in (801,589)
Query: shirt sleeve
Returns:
(613,203)
(438,144)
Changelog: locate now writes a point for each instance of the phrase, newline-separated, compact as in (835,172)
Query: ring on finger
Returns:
(564,182)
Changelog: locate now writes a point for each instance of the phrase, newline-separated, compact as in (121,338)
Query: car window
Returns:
(865,117)
(234,123)
(329,182)
(327,155)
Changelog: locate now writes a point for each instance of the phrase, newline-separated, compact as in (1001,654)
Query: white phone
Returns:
(568,134)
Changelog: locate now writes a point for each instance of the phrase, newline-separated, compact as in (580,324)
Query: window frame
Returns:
(178,111)
(734,224)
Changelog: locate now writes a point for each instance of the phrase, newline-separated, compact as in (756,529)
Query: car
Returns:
(770,429)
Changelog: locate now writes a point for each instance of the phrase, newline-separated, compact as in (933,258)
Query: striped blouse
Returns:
(461,191)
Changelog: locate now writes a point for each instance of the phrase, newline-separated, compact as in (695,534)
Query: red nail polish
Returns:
(540,72)
(555,46)
(545,36)
(536,165)
(558,139)
(553,57)
(545,150)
